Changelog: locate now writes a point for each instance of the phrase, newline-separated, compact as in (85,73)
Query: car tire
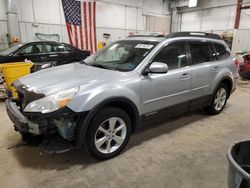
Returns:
(108,133)
(219,100)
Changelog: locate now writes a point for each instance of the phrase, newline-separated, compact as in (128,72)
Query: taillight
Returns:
(236,62)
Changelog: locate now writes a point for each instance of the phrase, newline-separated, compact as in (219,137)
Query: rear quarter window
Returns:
(221,51)
(69,48)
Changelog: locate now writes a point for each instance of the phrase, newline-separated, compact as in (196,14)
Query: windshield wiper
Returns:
(100,66)
(83,62)
(106,67)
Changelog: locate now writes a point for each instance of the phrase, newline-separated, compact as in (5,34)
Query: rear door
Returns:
(59,54)
(201,56)
(53,57)
(70,54)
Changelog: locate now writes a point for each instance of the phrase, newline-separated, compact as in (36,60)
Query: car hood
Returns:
(68,76)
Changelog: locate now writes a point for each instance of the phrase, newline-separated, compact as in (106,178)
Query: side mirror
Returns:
(158,68)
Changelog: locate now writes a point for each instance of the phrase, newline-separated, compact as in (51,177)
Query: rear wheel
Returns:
(219,100)
(108,133)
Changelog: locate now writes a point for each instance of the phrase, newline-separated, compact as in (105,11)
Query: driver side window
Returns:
(174,55)
(33,49)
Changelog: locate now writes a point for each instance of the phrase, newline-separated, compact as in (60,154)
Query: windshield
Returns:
(121,55)
(11,50)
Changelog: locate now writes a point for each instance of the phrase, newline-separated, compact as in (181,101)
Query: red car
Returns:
(244,70)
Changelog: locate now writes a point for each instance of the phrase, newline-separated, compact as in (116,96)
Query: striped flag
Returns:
(80,17)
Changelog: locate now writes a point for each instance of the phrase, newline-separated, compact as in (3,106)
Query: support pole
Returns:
(238,13)
(12,20)
(236,26)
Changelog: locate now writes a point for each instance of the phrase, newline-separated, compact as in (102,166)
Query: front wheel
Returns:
(108,133)
(219,100)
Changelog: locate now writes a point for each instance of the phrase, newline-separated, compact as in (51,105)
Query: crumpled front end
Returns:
(63,121)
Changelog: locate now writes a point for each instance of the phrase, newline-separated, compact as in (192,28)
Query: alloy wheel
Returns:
(220,99)
(110,135)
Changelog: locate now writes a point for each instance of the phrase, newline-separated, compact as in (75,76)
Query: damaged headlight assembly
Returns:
(52,102)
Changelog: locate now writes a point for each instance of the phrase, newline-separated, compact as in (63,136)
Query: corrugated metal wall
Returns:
(3,27)
(242,39)
(117,22)
(130,16)
(215,19)
(218,17)
(47,14)
(158,24)
(116,17)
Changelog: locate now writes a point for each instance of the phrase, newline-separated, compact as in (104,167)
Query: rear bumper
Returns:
(235,81)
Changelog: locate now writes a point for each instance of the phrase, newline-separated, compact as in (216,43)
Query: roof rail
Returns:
(183,34)
(193,34)
(150,35)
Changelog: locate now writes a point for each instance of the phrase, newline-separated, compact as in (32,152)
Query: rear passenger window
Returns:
(55,48)
(200,52)
(174,55)
(222,52)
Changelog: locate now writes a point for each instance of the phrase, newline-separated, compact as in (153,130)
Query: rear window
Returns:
(200,52)
(221,51)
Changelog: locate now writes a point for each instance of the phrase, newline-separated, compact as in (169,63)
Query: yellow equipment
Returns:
(13,71)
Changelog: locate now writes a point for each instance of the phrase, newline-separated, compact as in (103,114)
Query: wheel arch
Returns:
(120,102)
(228,82)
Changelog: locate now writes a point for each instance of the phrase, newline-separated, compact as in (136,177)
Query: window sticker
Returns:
(144,46)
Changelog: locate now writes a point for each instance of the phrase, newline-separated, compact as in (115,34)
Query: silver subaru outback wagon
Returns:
(99,102)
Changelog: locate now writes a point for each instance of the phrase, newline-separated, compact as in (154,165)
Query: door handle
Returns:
(216,68)
(185,76)
(55,55)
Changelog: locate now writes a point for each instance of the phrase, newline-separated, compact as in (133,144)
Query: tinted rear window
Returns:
(222,52)
(200,52)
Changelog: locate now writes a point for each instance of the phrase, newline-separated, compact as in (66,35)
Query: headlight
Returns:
(52,102)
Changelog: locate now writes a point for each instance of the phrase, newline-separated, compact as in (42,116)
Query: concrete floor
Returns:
(184,152)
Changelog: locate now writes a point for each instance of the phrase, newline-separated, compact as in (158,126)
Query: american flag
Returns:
(80,17)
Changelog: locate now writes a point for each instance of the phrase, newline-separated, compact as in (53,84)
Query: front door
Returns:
(159,91)
(34,53)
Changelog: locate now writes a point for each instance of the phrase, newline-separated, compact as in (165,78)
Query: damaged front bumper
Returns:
(63,121)
(21,123)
